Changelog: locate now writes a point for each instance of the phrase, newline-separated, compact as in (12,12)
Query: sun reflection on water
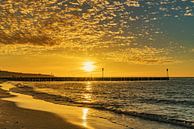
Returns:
(87,96)
(88,86)
(85,116)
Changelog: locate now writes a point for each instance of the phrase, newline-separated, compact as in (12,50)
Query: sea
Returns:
(168,101)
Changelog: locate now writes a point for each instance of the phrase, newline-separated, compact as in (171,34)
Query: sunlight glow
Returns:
(88,66)
(84,116)
(87,96)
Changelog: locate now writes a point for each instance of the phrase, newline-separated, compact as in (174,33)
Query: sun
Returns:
(88,66)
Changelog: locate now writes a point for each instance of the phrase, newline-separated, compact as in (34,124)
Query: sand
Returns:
(13,117)
(18,111)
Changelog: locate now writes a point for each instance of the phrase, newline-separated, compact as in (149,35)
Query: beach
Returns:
(14,117)
(19,111)
(23,106)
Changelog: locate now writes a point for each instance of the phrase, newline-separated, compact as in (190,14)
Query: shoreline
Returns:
(83,116)
(73,117)
(12,116)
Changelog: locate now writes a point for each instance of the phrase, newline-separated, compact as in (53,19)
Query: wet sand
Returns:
(13,117)
(18,111)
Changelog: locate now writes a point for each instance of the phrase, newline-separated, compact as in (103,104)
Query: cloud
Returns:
(22,50)
(82,22)
(24,38)
(122,28)
(146,55)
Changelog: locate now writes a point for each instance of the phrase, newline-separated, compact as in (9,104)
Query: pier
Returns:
(41,79)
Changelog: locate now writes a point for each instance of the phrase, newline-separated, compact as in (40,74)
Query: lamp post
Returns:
(102,73)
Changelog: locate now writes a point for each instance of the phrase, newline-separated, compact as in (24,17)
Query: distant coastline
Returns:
(10,74)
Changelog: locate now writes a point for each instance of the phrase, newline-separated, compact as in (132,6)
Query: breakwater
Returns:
(82,78)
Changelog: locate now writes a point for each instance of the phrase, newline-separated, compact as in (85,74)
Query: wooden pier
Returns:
(41,79)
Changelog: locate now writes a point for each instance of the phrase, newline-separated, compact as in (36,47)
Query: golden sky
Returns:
(126,37)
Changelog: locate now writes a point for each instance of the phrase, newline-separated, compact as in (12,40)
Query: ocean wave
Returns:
(168,101)
(68,101)
(159,118)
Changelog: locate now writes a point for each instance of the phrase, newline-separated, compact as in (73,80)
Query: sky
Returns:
(125,37)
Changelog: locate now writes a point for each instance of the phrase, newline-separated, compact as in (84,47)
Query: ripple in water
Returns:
(167,101)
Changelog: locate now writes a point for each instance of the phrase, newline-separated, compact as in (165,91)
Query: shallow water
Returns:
(170,101)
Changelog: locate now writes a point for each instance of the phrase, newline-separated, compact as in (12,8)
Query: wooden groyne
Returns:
(39,79)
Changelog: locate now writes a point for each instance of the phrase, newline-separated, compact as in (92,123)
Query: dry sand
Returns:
(13,117)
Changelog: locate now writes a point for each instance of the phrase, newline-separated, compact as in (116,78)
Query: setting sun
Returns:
(88,66)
